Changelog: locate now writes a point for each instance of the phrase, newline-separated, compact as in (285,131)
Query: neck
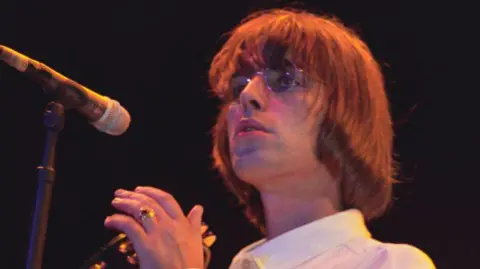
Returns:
(283,214)
(287,210)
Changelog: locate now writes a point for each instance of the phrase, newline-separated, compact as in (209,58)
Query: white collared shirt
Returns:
(339,241)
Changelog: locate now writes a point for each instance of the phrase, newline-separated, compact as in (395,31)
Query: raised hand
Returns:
(162,236)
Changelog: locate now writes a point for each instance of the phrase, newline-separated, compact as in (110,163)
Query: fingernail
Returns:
(107,219)
(119,192)
(116,200)
(139,188)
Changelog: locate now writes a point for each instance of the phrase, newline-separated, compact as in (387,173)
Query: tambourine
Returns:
(119,253)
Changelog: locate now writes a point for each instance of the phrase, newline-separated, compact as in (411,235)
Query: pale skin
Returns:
(295,187)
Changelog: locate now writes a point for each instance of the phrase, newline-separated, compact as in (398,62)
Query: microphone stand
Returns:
(53,120)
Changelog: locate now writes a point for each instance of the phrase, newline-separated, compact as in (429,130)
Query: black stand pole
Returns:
(54,118)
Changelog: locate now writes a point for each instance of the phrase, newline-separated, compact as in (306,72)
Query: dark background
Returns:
(153,57)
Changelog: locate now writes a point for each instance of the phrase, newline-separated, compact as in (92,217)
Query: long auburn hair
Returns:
(355,138)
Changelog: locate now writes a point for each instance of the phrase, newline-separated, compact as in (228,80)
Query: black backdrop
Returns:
(153,57)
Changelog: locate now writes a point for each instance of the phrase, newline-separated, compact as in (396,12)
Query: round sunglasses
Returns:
(276,80)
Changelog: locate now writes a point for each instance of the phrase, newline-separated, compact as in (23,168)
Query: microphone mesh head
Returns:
(14,59)
(115,120)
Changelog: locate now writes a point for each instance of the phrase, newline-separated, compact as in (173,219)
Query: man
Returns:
(303,139)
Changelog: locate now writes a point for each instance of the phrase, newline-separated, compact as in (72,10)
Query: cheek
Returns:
(234,114)
(298,124)
(289,110)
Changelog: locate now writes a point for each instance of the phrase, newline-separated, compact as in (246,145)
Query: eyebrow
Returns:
(246,60)
(252,65)
(287,63)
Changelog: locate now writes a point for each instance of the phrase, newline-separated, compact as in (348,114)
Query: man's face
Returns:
(271,130)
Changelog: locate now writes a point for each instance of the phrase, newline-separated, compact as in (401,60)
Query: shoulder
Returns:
(407,256)
(242,252)
(382,255)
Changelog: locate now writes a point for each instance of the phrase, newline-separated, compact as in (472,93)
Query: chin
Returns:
(254,167)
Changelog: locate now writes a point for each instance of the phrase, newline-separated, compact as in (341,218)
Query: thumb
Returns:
(195,216)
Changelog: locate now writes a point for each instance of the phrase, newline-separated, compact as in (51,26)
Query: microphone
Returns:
(105,114)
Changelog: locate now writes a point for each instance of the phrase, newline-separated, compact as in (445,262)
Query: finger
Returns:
(143,201)
(195,217)
(134,208)
(165,199)
(148,220)
(130,227)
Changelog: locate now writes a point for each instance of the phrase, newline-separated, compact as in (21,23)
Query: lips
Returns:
(250,126)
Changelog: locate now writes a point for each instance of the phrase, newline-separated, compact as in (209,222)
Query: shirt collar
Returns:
(302,243)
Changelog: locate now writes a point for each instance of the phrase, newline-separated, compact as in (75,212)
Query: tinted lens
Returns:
(279,80)
(276,79)
(237,84)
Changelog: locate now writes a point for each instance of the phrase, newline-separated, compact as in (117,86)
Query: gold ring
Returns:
(146,213)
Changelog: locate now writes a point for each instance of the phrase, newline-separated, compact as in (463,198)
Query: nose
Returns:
(254,95)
